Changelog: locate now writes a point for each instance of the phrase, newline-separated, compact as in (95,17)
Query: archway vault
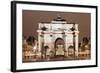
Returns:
(59,46)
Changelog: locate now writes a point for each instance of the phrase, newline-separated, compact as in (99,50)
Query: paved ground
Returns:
(58,58)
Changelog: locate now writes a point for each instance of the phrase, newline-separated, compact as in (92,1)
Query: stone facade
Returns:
(58,35)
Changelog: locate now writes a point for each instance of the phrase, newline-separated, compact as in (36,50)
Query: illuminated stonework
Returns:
(59,36)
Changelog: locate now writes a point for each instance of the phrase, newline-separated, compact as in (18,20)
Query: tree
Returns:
(31,40)
(85,40)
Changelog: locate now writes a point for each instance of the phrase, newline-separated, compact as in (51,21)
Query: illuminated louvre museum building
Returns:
(58,35)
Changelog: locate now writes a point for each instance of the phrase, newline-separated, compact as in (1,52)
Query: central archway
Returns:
(59,46)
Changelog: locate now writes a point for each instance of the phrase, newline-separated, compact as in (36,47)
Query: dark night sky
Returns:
(32,18)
